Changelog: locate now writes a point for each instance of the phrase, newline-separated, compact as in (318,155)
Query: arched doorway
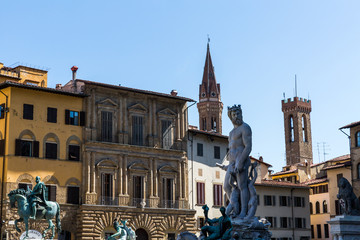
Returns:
(141,234)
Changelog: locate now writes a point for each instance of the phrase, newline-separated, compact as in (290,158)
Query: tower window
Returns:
(204,124)
(213,123)
(291,129)
(304,133)
(357,136)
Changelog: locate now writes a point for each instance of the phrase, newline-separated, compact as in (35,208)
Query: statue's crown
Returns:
(234,108)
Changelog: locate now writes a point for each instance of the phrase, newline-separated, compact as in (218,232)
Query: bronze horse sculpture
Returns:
(24,211)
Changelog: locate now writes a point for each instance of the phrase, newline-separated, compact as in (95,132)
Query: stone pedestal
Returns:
(124,200)
(345,227)
(90,198)
(154,202)
(250,229)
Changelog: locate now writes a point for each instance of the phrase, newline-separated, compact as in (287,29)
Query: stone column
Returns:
(93,173)
(90,195)
(123,194)
(120,180)
(155,178)
(88,171)
(120,120)
(125,121)
(93,116)
(178,124)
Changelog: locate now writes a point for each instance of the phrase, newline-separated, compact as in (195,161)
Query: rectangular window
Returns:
(312,231)
(299,222)
(74,153)
(51,192)
(283,222)
(75,118)
(283,201)
(137,131)
(28,111)
(106,126)
(338,209)
(199,149)
(2,111)
(138,189)
(168,192)
(200,193)
(72,194)
(51,150)
(201,222)
(52,115)
(26,148)
(218,193)
(107,189)
(338,176)
(318,228)
(25,186)
(167,134)
(299,202)
(269,200)
(216,152)
(272,220)
(326,230)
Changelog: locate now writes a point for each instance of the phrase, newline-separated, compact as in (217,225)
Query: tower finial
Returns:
(295,86)
(208,38)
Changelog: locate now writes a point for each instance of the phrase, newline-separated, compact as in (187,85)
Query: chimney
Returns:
(174,92)
(261,159)
(58,86)
(74,69)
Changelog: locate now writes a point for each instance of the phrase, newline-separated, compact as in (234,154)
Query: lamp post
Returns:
(6,110)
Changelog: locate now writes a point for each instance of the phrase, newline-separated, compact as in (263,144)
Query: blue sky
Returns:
(257,47)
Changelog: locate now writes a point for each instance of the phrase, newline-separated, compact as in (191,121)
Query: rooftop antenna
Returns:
(295,86)
(284,95)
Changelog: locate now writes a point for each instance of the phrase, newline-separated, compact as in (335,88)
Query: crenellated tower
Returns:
(210,106)
(297,127)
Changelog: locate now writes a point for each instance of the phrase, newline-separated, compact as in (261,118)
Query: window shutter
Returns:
(18,144)
(274,201)
(82,118)
(2,113)
(36,149)
(274,221)
(51,192)
(2,147)
(67,116)
(302,202)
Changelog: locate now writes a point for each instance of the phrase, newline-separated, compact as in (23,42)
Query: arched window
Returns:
(311,208)
(317,206)
(73,148)
(357,139)
(358,171)
(304,133)
(51,146)
(291,128)
(325,210)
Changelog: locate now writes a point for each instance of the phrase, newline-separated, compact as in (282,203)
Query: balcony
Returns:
(145,203)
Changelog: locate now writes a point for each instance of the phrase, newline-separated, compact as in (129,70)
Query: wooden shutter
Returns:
(67,116)
(82,118)
(18,143)
(36,149)
(2,112)
(274,200)
(2,147)
(73,194)
(51,189)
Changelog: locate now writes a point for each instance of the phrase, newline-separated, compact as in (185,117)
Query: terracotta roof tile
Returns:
(315,181)
(354,124)
(281,184)
(284,172)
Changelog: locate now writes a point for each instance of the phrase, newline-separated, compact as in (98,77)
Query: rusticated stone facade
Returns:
(95,220)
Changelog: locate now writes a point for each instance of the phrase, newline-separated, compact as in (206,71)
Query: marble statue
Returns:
(346,193)
(240,144)
(122,231)
(33,205)
(218,228)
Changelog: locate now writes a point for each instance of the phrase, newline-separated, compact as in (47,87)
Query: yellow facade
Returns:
(23,74)
(58,171)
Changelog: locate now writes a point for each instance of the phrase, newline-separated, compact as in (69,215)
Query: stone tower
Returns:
(210,106)
(297,127)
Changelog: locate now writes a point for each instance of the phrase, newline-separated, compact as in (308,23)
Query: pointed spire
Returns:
(209,88)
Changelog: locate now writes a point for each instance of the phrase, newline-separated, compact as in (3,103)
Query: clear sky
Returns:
(257,47)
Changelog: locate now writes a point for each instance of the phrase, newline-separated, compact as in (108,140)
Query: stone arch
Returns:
(27,132)
(51,135)
(51,178)
(73,180)
(105,162)
(146,222)
(104,221)
(172,222)
(25,176)
(68,141)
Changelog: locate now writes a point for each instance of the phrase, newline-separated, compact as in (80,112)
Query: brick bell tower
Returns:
(210,106)
(297,127)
